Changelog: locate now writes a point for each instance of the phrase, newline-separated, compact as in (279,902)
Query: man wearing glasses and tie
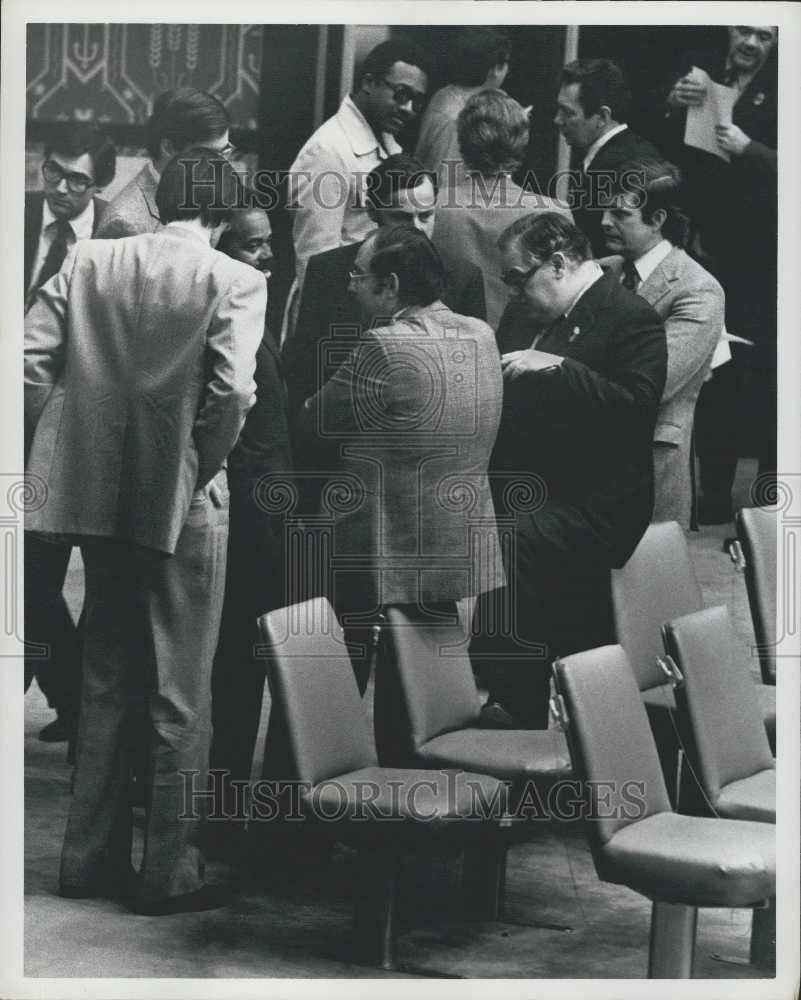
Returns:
(78,162)
(327,180)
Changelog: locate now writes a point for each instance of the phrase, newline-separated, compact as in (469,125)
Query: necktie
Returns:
(631,279)
(56,253)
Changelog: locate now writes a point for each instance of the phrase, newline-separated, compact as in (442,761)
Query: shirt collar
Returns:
(648,263)
(178,227)
(596,272)
(361,137)
(82,225)
(600,142)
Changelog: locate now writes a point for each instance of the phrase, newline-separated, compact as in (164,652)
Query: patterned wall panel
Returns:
(112,72)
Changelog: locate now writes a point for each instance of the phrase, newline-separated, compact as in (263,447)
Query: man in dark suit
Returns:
(139,361)
(78,162)
(734,205)
(260,466)
(399,190)
(579,409)
(592,106)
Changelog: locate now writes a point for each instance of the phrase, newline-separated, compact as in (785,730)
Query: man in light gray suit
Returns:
(648,229)
(181,119)
(411,419)
(139,361)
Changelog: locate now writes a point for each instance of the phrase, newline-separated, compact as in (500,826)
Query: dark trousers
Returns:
(551,607)
(151,621)
(53,646)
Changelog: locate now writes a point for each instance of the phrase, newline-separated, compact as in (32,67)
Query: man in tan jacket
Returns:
(139,361)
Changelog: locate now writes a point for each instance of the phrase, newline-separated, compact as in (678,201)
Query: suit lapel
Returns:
(33,223)
(659,281)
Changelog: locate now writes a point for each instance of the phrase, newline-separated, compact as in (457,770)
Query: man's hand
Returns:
(517,363)
(732,139)
(686,93)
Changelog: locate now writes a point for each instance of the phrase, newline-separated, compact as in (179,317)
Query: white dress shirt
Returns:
(328,183)
(81,229)
(648,263)
(599,143)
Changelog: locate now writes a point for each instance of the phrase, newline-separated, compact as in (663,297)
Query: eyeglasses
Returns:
(77,183)
(402,95)
(228,150)
(355,275)
(515,278)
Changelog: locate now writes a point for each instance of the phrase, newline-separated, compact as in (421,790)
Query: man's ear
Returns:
(558,263)
(167,148)
(658,218)
(604,114)
(391,283)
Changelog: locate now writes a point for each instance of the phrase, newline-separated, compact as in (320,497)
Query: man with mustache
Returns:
(327,179)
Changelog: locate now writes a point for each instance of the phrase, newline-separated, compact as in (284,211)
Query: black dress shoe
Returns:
(117,887)
(494,716)
(207,897)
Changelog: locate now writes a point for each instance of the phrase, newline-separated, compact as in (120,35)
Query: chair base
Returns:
(484,878)
(374,907)
(672,948)
(763,937)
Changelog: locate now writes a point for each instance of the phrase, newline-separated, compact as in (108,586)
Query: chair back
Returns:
(656,584)
(756,530)
(719,712)
(424,683)
(314,691)
(610,740)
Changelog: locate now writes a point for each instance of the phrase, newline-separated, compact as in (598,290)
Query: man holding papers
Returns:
(732,188)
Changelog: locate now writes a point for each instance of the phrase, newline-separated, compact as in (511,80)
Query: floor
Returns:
(559,921)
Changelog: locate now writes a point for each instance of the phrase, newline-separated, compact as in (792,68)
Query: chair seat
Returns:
(752,798)
(692,860)
(661,699)
(509,754)
(409,802)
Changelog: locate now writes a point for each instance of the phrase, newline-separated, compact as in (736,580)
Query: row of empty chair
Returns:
(434,764)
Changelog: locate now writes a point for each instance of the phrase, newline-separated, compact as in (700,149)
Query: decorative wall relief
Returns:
(111,72)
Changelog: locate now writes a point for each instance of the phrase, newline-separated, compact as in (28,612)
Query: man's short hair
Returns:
(475,52)
(602,84)
(493,132)
(76,139)
(187,117)
(656,185)
(249,202)
(382,58)
(545,233)
(399,172)
(199,183)
(410,254)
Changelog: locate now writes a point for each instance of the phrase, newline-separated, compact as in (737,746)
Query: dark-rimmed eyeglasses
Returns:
(515,278)
(77,183)
(403,95)
(355,275)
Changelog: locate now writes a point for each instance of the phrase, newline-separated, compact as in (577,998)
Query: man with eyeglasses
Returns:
(327,184)
(181,119)
(584,363)
(78,162)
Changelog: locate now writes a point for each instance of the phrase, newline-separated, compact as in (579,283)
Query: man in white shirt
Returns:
(592,106)
(77,164)
(327,180)
(648,229)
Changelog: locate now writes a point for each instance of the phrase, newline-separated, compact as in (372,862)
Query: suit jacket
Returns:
(587,429)
(34,204)
(139,360)
(325,303)
(691,304)
(412,419)
(734,204)
(471,216)
(590,190)
(260,469)
(133,210)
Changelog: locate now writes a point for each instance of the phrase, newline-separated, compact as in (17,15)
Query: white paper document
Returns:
(716,110)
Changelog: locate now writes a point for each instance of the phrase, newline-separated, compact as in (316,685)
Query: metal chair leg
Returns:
(763,936)
(374,907)
(672,947)
(484,877)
